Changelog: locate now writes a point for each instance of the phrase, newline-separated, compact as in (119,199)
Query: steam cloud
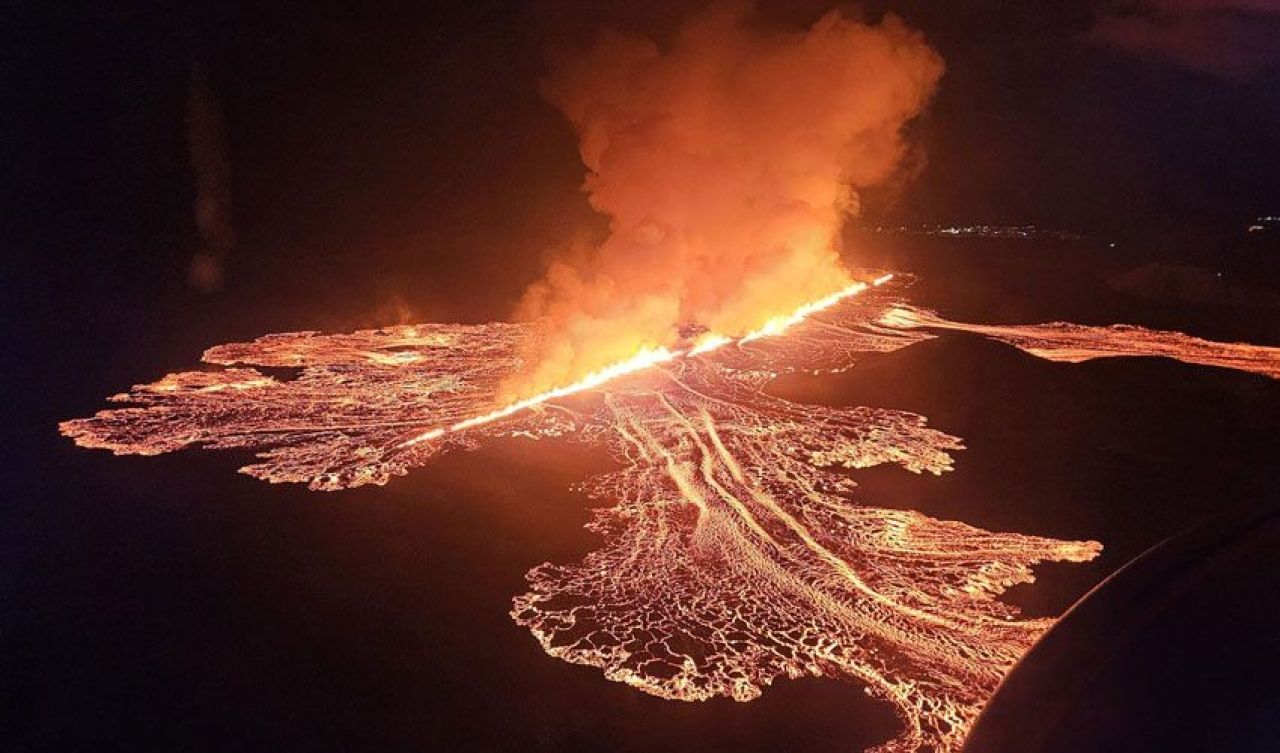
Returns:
(726,163)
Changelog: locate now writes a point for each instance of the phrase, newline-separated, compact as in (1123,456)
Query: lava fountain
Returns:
(735,546)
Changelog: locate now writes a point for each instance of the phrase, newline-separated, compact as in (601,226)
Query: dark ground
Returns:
(1175,652)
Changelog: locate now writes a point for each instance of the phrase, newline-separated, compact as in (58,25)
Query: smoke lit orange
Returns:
(726,161)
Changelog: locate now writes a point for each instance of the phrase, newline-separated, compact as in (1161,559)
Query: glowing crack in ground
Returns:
(735,548)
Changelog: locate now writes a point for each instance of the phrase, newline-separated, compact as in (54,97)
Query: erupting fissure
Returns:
(736,547)
(648,357)
(726,159)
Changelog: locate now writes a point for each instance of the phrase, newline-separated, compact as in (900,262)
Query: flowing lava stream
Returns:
(735,548)
(651,357)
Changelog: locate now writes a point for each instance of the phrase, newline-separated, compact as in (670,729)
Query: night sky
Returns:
(414,140)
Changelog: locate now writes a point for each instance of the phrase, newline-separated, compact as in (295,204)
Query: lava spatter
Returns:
(735,547)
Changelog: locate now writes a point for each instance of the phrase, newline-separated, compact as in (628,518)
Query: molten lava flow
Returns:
(646,358)
(1072,343)
(780,324)
(735,546)
(642,360)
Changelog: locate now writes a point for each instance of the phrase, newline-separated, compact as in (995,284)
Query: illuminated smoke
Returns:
(726,164)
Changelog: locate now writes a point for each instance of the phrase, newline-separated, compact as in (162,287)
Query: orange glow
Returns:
(646,358)
(780,324)
(708,342)
(726,162)
(642,360)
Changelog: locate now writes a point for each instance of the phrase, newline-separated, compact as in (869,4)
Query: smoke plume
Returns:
(726,163)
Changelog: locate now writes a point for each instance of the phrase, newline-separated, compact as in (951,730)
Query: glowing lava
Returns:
(642,360)
(1072,343)
(646,358)
(735,548)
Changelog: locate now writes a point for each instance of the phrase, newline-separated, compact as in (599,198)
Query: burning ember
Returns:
(734,549)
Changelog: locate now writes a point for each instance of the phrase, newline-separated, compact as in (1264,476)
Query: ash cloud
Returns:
(726,162)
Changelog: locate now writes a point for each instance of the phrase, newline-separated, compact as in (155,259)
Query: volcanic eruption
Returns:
(726,163)
(735,545)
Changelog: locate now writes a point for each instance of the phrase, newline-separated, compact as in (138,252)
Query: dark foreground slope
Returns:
(1176,652)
